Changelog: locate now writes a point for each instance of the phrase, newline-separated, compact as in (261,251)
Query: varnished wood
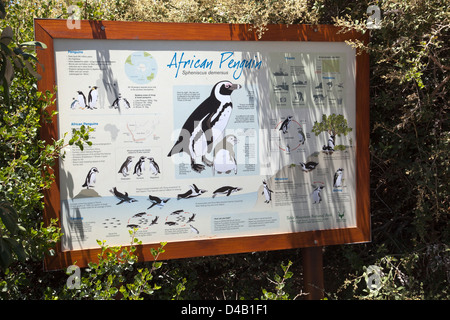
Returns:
(46,30)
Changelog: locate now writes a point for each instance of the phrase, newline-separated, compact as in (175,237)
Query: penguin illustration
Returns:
(316,194)
(123,197)
(206,125)
(81,99)
(267,192)
(193,192)
(285,125)
(330,146)
(227,190)
(194,229)
(90,178)
(121,103)
(301,136)
(139,167)
(126,166)
(140,214)
(92,98)
(224,155)
(74,104)
(191,218)
(154,221)
(157,201)
(337,181)
(154,166)
(308,166)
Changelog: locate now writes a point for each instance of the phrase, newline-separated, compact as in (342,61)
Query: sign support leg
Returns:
(313,273)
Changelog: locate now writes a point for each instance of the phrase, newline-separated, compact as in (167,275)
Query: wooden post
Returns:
(313,273)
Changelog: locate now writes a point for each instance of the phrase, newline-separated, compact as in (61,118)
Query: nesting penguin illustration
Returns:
(206,125)
(337,180)
(90,178)
(92,98)
(330,146)
(285,125)
(125,168)
(139,167)
(267,192)
(316,194)
(154,167)
(224,156)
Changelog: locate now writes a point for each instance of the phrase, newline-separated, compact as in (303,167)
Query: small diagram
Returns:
(181,219)
(291,135)
(142,221)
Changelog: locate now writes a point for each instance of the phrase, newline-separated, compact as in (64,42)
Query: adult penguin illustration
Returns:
(90,178)
(81,99)
(206,125)
(92,98)
(337,181)
(139,167)
(224,156)
(285,125)
(301,136)
(267,192)
(154,167)
(121,103)
(126,166)
(308,166)
(330,146)
(316,194)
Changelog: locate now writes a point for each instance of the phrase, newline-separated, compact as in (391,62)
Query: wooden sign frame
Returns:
(48,30)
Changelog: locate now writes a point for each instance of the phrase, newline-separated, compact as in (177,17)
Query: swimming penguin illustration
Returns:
(308,166)
(206,125)
(154,221)
(92,98)
(139,167)
(267,192)
(157,201)
(227,190)
(126,166)
(193,192)
(224,155)
(330,146)
(194,229)
(90,178)
(301,136)
(285,125)
(337,181)
(81,99)
(316,194)
(191,218)
(154,167)
(121,103)
(123,197)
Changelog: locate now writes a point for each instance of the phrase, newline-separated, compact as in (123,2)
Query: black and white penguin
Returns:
(154,167)
(92,98)
(308,166)
(191,218)
(81,100)
(316,194)
(227,190)
(123,197)
(121,103)
(267,192)
(154,221)
(125,168)
(224,156)
(157,201)
(140,166)
(193,192)
(285,125)
(206,125)
(90,178)
(337,181)
(330,146)
(301,136)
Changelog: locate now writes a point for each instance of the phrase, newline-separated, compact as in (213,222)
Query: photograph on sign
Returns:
(205,140)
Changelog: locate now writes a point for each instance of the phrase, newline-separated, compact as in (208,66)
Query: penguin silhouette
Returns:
(206,125)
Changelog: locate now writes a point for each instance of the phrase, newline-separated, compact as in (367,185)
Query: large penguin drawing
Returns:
(224,156)
(92,98)
(206,125)
(90,178)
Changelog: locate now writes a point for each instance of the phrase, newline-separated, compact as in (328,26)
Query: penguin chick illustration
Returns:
(121,103)
(193,192)
(125,168)
(139,167)
(81,99)
(285,125)
(267,192)
(308,166)
(92,98)
(154,167)
(316,194)
(206,125)
(224,155)
(337,181)
(90,178)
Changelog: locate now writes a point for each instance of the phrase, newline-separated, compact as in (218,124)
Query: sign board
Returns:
(207,137)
